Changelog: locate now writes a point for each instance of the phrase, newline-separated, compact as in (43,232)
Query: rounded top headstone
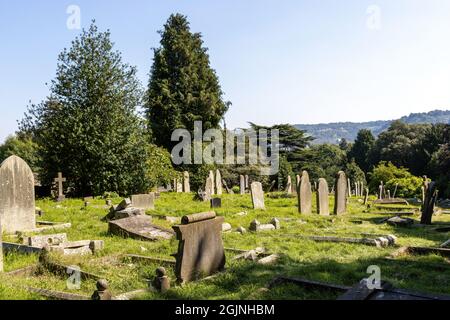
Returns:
(102,285)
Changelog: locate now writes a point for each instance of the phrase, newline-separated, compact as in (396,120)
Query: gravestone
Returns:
(211,176)
(242,184)
(304,194)
(257,196)
(1,249)
(179,186)
(186,183)
(161,282)
(349,188)
(140,228)
(59,180)
(216,203)
(200,249)
(366,196)
(209,187)
(340,197)
(289,185)
(143,201)
(17,205)
(298,178)
(429,203)
(218,183)
(323,204)
(247,182)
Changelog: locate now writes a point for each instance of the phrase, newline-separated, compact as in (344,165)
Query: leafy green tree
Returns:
(439,166)
(354,172)
(22,146)
(402,145)
(159,167)
(408,184)
(183,87)
(88,127)
(362,148)
(322,161)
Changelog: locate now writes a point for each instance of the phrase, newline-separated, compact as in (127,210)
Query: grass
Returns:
(339,263)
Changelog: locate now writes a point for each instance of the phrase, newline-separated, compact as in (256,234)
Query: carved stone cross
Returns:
(59,180)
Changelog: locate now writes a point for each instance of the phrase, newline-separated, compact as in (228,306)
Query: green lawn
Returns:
(337,263)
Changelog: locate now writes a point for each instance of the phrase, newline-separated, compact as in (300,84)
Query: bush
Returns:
(159,167)
(408,185)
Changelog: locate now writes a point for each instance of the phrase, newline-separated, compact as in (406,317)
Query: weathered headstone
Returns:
(216,203)
(366,196)
(340,197)
(349,188)
(218,183)
(179,186)
(59,180)
(298,178)
(247,182)
(289,185)
(429,203)
(17,205)
(209,187)
(323,204)
(143,201)
(186,183)
(257,196)
(242,184)
(1,248)
(140,228)
(211,176)
(200,249)
(305,194)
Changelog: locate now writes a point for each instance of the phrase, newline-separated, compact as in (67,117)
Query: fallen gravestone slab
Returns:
(391,201)
(146,259)
(200,250)
(256,226)
(57,295)
(359,291)
(421,251)
(400,222)
(125,210)
(380,242)
(140,228)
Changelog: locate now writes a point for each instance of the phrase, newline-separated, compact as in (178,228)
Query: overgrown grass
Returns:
(338,263)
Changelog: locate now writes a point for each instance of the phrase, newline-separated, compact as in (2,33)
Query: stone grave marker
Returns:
(257,196)
(304,194)
(1,249)
(17,204)
(323,204)
(340,198)
(216,203)
(211,176)
(209,189)
(143,201)
(186,183)
(242,184)
(349,188)
(59,180)
(289,185)
(429,203)
(140,228)
(218,183)
(200,250)
(247,182)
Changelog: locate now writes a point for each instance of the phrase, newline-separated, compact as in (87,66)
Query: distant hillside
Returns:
(334,132)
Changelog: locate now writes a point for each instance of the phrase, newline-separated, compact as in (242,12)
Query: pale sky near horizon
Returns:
(291,61)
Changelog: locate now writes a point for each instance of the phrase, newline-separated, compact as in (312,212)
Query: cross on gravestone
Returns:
(59,180)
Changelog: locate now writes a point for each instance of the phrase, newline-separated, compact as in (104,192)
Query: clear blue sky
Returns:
(288,61)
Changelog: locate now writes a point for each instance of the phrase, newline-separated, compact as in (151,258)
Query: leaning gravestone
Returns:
(143,201)
(17,206)
(323,204)
(218,183)
(186,183)
(200,248)
(304,194)
(257,195)
(340,197)
(242,184)
(429,203)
